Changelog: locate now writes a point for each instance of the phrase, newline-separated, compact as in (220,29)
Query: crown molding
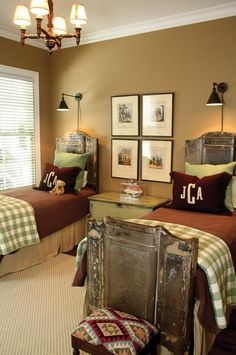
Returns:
(187,18)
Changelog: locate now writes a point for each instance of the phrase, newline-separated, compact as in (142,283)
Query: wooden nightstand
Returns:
(114,205)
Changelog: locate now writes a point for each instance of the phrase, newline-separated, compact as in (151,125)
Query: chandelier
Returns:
(56,26)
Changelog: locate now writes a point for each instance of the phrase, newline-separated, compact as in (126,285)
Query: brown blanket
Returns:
(54,212)
(222,226)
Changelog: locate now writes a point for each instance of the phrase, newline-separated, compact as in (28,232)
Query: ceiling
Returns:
(109,19)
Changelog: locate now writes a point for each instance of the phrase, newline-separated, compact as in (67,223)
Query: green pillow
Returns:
(210,169)
(66,160)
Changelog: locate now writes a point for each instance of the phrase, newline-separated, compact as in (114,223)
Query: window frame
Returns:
(33,76)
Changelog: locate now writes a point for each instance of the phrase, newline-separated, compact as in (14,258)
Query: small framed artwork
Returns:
(157,115)
(124,158)
(125,115)
(156,160)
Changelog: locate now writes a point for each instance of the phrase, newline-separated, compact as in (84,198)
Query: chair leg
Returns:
(76,352)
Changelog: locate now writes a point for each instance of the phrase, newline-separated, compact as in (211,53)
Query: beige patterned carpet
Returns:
(39,309)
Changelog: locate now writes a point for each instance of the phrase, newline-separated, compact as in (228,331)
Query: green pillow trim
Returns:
(210,169)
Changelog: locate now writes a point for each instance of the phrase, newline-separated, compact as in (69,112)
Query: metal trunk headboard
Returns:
(211,148)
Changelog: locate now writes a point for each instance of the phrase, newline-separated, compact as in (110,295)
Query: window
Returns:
(19,128)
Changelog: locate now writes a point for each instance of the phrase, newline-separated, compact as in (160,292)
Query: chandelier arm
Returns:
(34,36)
(67,35)
(47,34)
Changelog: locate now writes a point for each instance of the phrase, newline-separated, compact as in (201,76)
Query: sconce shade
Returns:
(63,106)
(22,16)
(214,99)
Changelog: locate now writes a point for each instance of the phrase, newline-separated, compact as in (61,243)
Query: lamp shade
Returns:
(59,25)
(39,7)
(63,106)
(78,15)
(214,99)
(22,16)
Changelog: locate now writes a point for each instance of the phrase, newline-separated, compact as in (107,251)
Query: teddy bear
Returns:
(58,188)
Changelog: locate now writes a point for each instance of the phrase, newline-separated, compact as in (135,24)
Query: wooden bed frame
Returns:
(65,239)
(164,259)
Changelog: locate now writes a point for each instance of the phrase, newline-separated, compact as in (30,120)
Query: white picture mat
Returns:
(157,111)
(125,115)
(156,160)
(125,158)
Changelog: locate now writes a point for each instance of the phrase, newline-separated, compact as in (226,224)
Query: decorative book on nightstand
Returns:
(114,205)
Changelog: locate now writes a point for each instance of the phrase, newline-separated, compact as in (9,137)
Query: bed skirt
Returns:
(61,241)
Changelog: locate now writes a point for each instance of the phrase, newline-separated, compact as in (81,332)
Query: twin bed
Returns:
(61,220)
(204,218)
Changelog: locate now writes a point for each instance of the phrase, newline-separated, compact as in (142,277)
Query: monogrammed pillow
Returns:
(206,194)
(52,173)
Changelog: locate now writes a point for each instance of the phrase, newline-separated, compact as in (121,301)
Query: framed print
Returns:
(156,160)
(125,115)
(124,158)
(157,115)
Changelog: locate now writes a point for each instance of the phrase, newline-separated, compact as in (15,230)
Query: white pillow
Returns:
(85,178)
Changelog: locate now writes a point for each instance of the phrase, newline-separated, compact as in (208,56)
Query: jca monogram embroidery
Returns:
(191,193)
(50,179)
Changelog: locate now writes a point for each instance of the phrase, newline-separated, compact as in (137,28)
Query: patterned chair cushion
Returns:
(117,332)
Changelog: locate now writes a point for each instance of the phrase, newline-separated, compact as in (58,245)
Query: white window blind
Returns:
(19,128)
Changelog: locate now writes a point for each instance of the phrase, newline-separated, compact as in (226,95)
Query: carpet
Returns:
(39,309)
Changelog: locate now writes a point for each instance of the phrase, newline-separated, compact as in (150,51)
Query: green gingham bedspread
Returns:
(17,225)
(215,259)
(80,252)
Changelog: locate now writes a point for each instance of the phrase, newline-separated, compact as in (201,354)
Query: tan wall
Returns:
(184,60)
(31,58)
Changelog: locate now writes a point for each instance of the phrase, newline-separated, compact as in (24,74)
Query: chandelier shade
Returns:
(59,25)
(56,26)
(39,7)
(78,15)
(22,16)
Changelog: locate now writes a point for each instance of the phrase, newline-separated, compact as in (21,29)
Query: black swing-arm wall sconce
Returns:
(63,105)
(215,100)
